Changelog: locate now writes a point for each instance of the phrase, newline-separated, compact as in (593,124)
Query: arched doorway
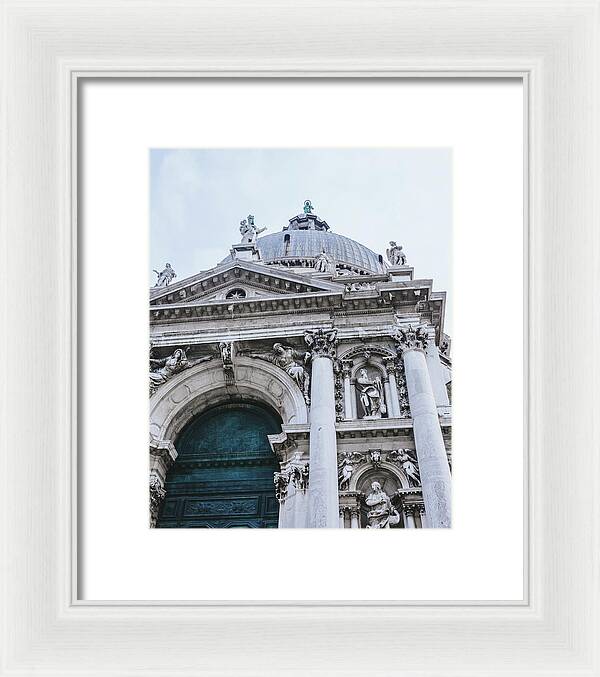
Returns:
(223,475)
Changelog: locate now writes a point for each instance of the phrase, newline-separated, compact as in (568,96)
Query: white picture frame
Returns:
(49,47)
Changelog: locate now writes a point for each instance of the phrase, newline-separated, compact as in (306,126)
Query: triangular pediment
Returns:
(237,280)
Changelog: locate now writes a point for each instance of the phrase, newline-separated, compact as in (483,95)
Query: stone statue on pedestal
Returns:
(395,255)
(382,515)
(370,395)
(166,276)
(249,231)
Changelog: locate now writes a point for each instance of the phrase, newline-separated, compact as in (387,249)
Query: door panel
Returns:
(223,475)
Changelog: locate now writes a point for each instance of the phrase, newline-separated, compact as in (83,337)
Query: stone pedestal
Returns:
(323,502)
(245,251)
(431,452)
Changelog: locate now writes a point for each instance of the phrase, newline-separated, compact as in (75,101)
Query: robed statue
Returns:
(166,276)
(249,231)
(395,255)
(382,515)
(371,396)
(324,263)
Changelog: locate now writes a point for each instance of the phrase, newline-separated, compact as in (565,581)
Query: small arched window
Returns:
(236,294)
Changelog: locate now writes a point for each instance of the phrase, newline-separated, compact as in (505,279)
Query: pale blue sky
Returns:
(198,198)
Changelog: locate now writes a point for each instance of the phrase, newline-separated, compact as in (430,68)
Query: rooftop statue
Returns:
(165,277)
(324,263)
(249,231)
(308,208)
(382,514)
(395,255)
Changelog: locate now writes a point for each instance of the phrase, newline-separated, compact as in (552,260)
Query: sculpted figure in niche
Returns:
(162,370)
(382,515)
(395,255)
(370,392)
(292,361)
(166,276)
(249,231)
(324,263)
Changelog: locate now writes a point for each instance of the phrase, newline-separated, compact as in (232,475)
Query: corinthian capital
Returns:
(410,338)
(321,343)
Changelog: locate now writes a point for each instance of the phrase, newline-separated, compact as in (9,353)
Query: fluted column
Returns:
(394,403)
(347,371)
(323,500)
(431,452)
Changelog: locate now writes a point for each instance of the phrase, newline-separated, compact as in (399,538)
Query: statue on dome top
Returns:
(308,208)
(395,255)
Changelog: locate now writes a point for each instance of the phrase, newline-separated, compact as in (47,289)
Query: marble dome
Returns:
(306,236)
(293,247)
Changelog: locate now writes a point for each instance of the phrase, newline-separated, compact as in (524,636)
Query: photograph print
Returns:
(299,324)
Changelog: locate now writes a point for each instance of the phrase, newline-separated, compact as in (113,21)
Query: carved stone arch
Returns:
(193,391)
(375,349)
(384,468)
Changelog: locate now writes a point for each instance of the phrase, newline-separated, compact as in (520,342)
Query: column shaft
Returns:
(323,500)
(431,452)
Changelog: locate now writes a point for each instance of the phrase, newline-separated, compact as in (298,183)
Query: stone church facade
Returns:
(303,382)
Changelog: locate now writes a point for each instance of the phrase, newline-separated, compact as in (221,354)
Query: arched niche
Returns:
(204,386)
(388,476)
(385,473)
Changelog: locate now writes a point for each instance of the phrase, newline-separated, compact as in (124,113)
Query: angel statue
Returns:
(370,395)
(409,465)
(382,515)
(292,361)
(324,263)
(308,208)
(395,255)
(346,467)
(249,231)
(162,370)
(165,277)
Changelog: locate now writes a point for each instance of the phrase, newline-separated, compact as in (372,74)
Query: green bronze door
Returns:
(223,475)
